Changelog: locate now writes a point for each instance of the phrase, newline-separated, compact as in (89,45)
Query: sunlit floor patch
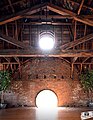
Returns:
(46,99)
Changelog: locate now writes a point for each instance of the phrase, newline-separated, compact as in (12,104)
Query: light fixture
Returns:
(46,41)
(46,37)
(46,99)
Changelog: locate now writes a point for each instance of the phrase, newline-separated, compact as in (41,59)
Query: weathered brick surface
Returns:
(46,73)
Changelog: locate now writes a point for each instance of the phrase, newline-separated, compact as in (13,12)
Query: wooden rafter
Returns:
(12,41)
(77,42)
(55,53)
(85,6)
(80,7)
(63,11)
(20,15)
(52,7)
(11,6)
(14,3)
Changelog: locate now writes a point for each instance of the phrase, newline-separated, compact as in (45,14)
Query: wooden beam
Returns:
(39,53)
(87,16)
(7,59)
(16,30)
(49,23)
(17,59)
(89,63)
(48,17)
(20,15)
(12,41)
(14,3)
(72,70)
(85,6)
(80,7)
(11,6)
(77,42)
(7,63)
(66,60)
(74,59)
(85,59)
(75,30)
(61,11)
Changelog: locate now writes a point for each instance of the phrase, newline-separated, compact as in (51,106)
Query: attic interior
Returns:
(35,67)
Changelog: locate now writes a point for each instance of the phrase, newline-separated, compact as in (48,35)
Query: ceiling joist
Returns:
(55,53)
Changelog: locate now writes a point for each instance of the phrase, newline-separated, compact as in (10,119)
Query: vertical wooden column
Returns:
(74,31)
(85,30)
(72,71)
(6,29)
(81,68)
(30,35)
(16,30)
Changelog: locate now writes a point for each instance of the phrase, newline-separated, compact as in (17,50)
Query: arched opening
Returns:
(46,99)
(46,41)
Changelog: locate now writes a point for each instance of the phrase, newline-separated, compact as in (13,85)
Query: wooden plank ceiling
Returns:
(19,18)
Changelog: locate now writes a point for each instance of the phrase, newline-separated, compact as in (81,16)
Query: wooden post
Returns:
(72,71)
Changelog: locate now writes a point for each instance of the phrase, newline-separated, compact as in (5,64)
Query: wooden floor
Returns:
(35,114)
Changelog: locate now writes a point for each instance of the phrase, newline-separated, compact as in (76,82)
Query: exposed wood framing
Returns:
(74,59)
(63,11)
(81,68)
(77,63)
(52,7)
(48,17)
(12,41)
(18,61)
(11,6)
(65,60)
(85,59)
(72,70)
(16,31)
(16,2)
(21,14)
(79,4)
(37,53)
(80,7)
(6,29)
(77,42)
(85,31)
(48,23)
(75,30)
(7,63)
(8,60)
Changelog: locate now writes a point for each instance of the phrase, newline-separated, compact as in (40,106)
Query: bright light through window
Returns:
(46,99)
(46,42)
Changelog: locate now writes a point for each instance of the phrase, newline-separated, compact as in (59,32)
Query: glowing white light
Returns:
(46,99)
(46,42)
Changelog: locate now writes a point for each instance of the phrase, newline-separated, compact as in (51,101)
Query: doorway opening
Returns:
(46,99)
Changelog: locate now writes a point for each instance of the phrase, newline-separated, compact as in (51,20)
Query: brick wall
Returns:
(46,73)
